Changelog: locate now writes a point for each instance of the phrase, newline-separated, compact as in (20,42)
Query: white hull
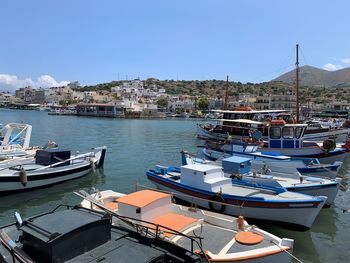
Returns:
(298,216)
(308,152)
(17,186)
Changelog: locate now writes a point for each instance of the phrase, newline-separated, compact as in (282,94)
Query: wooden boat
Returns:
(223,238)
(287,139)
(82,235)
(237,124)
(278,162)
(241,171)
(50,166)
(264,203)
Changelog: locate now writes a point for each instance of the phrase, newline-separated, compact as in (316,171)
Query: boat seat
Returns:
(113,205)
(173,221)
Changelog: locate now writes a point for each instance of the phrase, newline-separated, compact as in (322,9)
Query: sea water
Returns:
(133,147)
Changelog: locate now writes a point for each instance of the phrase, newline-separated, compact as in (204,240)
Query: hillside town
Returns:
(145,99)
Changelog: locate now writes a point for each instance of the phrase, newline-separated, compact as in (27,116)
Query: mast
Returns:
(226,94)
(297,80)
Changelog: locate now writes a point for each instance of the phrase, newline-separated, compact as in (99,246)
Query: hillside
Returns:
(212,88)
(312,76)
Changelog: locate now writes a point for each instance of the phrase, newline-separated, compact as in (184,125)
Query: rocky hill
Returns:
(312,76)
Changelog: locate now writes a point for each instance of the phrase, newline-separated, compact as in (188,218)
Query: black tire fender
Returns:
(213,206)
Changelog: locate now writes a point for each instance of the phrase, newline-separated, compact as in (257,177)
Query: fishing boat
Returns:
(287,139)
(243,121)
(278,162)
(49,166)
(237,124)
(79,235)
(208,182)
(223,238)
(241,170)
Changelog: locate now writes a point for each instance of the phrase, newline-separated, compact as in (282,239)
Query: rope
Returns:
(284,250)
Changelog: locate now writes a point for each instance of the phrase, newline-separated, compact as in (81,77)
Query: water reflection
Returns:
(42,200)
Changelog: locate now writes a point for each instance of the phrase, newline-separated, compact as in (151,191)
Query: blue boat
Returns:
(207,186)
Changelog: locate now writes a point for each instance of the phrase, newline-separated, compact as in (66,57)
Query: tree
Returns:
(203,103)
(162,102)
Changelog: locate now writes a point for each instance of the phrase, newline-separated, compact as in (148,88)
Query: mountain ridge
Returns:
(313,76)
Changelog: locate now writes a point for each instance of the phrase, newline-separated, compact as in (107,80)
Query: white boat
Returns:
(208,182)
(222,238)
(50,166)
(288,139)
(241,170)
(277,162)
(15,140)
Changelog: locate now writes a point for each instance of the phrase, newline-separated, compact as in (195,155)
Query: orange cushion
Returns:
(173,221)
(112,205)
(249,238)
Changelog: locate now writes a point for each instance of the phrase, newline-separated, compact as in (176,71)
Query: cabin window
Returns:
(298,132)
(288,132)
(275,133)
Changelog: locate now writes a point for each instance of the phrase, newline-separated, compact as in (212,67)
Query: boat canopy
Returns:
(251,111)
(241,121)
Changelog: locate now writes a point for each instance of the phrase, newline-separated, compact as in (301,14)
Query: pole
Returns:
(226,94)
(297,80)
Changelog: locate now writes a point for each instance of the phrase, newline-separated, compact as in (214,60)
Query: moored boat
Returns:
(223,238)
(79,235)
(237,124)
(287,139)
(50,166)
(208,183)
(15,141)
(278,162)
(241,170)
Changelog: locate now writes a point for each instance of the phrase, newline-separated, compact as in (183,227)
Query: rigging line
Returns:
(272,72)
(303,56)
(287,60)
(286,251)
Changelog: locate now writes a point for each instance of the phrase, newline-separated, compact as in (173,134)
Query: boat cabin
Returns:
(144,205)
(156,209)
(204,176)
(237,165)
(283,135)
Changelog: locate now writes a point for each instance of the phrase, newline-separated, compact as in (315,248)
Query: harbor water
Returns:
(137,145)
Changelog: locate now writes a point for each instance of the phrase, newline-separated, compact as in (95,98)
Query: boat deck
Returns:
(246,191)
(220,241)
(125,245)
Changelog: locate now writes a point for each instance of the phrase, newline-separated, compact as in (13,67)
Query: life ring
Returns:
(217,198)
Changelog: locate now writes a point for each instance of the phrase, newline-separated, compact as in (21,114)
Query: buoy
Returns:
(23,177)
(240,222)
(92,163)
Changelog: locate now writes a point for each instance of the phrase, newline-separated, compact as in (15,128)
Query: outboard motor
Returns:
(50,145)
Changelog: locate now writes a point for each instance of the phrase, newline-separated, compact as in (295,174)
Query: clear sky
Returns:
(48,42)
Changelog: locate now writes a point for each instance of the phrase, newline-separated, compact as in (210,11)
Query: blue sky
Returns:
(48,42)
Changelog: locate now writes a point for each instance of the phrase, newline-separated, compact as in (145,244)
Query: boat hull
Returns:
(205,133)
(11,185)
(10,181)
(300,215)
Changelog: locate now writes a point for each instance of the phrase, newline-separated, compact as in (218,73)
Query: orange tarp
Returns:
(142,198)
(173,221)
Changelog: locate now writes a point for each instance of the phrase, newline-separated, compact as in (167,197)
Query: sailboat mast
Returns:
(226,94)
(297,80)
